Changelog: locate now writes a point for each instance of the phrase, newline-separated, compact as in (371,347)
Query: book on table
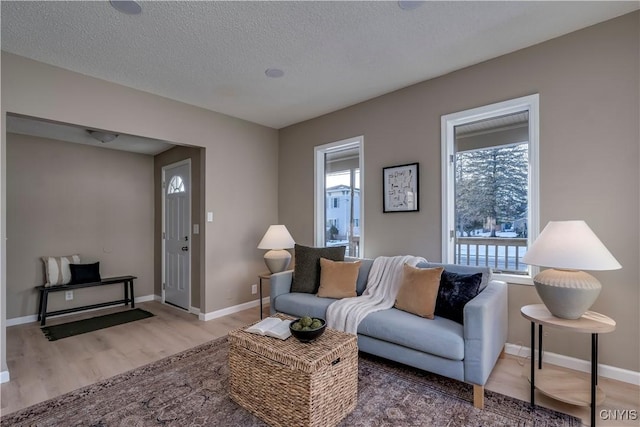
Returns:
(271,327)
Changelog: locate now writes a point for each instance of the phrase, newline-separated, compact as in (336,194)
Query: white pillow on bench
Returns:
(57,269)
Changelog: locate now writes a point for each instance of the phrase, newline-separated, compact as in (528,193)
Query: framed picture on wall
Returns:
(400,188)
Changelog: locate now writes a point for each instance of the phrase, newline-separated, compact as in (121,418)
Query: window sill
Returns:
(514,279)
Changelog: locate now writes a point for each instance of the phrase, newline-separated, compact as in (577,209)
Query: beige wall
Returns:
(65,198)
(241,164)
(166,158)
(588,83)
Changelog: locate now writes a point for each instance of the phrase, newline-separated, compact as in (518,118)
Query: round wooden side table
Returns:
(559,384)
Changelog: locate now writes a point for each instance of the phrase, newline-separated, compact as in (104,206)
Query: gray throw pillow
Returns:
(306,270)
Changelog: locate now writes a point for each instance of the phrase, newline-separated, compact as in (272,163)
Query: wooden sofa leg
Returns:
(478,396)
(502,353)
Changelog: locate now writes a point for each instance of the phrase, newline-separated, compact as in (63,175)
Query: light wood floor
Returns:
(42,369)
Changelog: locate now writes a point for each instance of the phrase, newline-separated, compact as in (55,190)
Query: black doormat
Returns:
(78,327)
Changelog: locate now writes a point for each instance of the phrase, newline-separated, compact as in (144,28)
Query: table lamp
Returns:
(277,239)
(568,247)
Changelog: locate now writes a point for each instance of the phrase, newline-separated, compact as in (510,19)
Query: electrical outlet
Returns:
(254,289)
(68,295)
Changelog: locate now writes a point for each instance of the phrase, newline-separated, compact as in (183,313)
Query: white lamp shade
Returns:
(570,245)
(276,237)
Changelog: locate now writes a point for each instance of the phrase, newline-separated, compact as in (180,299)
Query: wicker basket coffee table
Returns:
(288,383)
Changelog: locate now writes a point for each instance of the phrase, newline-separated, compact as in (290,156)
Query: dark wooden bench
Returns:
(127,282)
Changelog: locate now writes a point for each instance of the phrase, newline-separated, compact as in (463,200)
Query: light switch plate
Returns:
(209,216)
(196,229)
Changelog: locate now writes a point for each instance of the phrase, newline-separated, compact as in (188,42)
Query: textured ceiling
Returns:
(334,54)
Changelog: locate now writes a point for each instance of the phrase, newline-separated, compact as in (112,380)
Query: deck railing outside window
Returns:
(502,254)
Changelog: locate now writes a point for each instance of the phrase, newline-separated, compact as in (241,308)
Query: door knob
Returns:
(185,248)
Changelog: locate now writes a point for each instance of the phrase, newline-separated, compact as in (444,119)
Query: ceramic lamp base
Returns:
(277,260)
(567,293)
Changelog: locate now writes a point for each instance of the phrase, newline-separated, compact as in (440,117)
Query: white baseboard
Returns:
(607,371)
(34,317)
(4,377)
(192,310)
(233,309)
(21,320)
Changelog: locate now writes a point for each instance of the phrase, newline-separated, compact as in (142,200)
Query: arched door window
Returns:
(176,185)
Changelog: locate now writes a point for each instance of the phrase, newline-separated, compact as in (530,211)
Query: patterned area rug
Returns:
(191,389)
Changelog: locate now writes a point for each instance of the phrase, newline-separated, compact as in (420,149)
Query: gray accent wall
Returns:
(589,88)
(64,199)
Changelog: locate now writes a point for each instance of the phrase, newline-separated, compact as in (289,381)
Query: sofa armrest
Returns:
(485,331)
(280,284)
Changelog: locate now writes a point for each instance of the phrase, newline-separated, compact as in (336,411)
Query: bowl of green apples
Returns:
(307,328)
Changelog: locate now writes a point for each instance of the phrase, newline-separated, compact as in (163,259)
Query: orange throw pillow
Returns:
(419,290)
(338,279)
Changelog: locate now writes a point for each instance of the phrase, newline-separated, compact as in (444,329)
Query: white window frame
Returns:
(528,103)
(319,186)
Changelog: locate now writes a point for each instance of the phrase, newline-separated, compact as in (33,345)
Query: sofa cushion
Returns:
(302,304)
(419,290)
(487,272)
(441,337)
(306,270)
(455,291)
(338,278)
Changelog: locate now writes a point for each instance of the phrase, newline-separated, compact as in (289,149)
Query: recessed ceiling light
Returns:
(274,72)
(129,7)
(410,4)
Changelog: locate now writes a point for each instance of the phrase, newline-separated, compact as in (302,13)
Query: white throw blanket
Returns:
(383,284)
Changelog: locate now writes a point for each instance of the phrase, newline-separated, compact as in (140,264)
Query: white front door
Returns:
(177,241)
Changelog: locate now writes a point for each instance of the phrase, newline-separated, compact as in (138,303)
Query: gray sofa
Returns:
(463,352)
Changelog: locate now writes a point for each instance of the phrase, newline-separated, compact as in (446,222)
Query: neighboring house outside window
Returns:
(339,211)
(338,200)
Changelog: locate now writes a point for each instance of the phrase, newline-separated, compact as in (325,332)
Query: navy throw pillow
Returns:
(306,270)
(85,273)
(455,291)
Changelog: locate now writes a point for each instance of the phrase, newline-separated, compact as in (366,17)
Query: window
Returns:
(490,186)
(176,185)
(338,195)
